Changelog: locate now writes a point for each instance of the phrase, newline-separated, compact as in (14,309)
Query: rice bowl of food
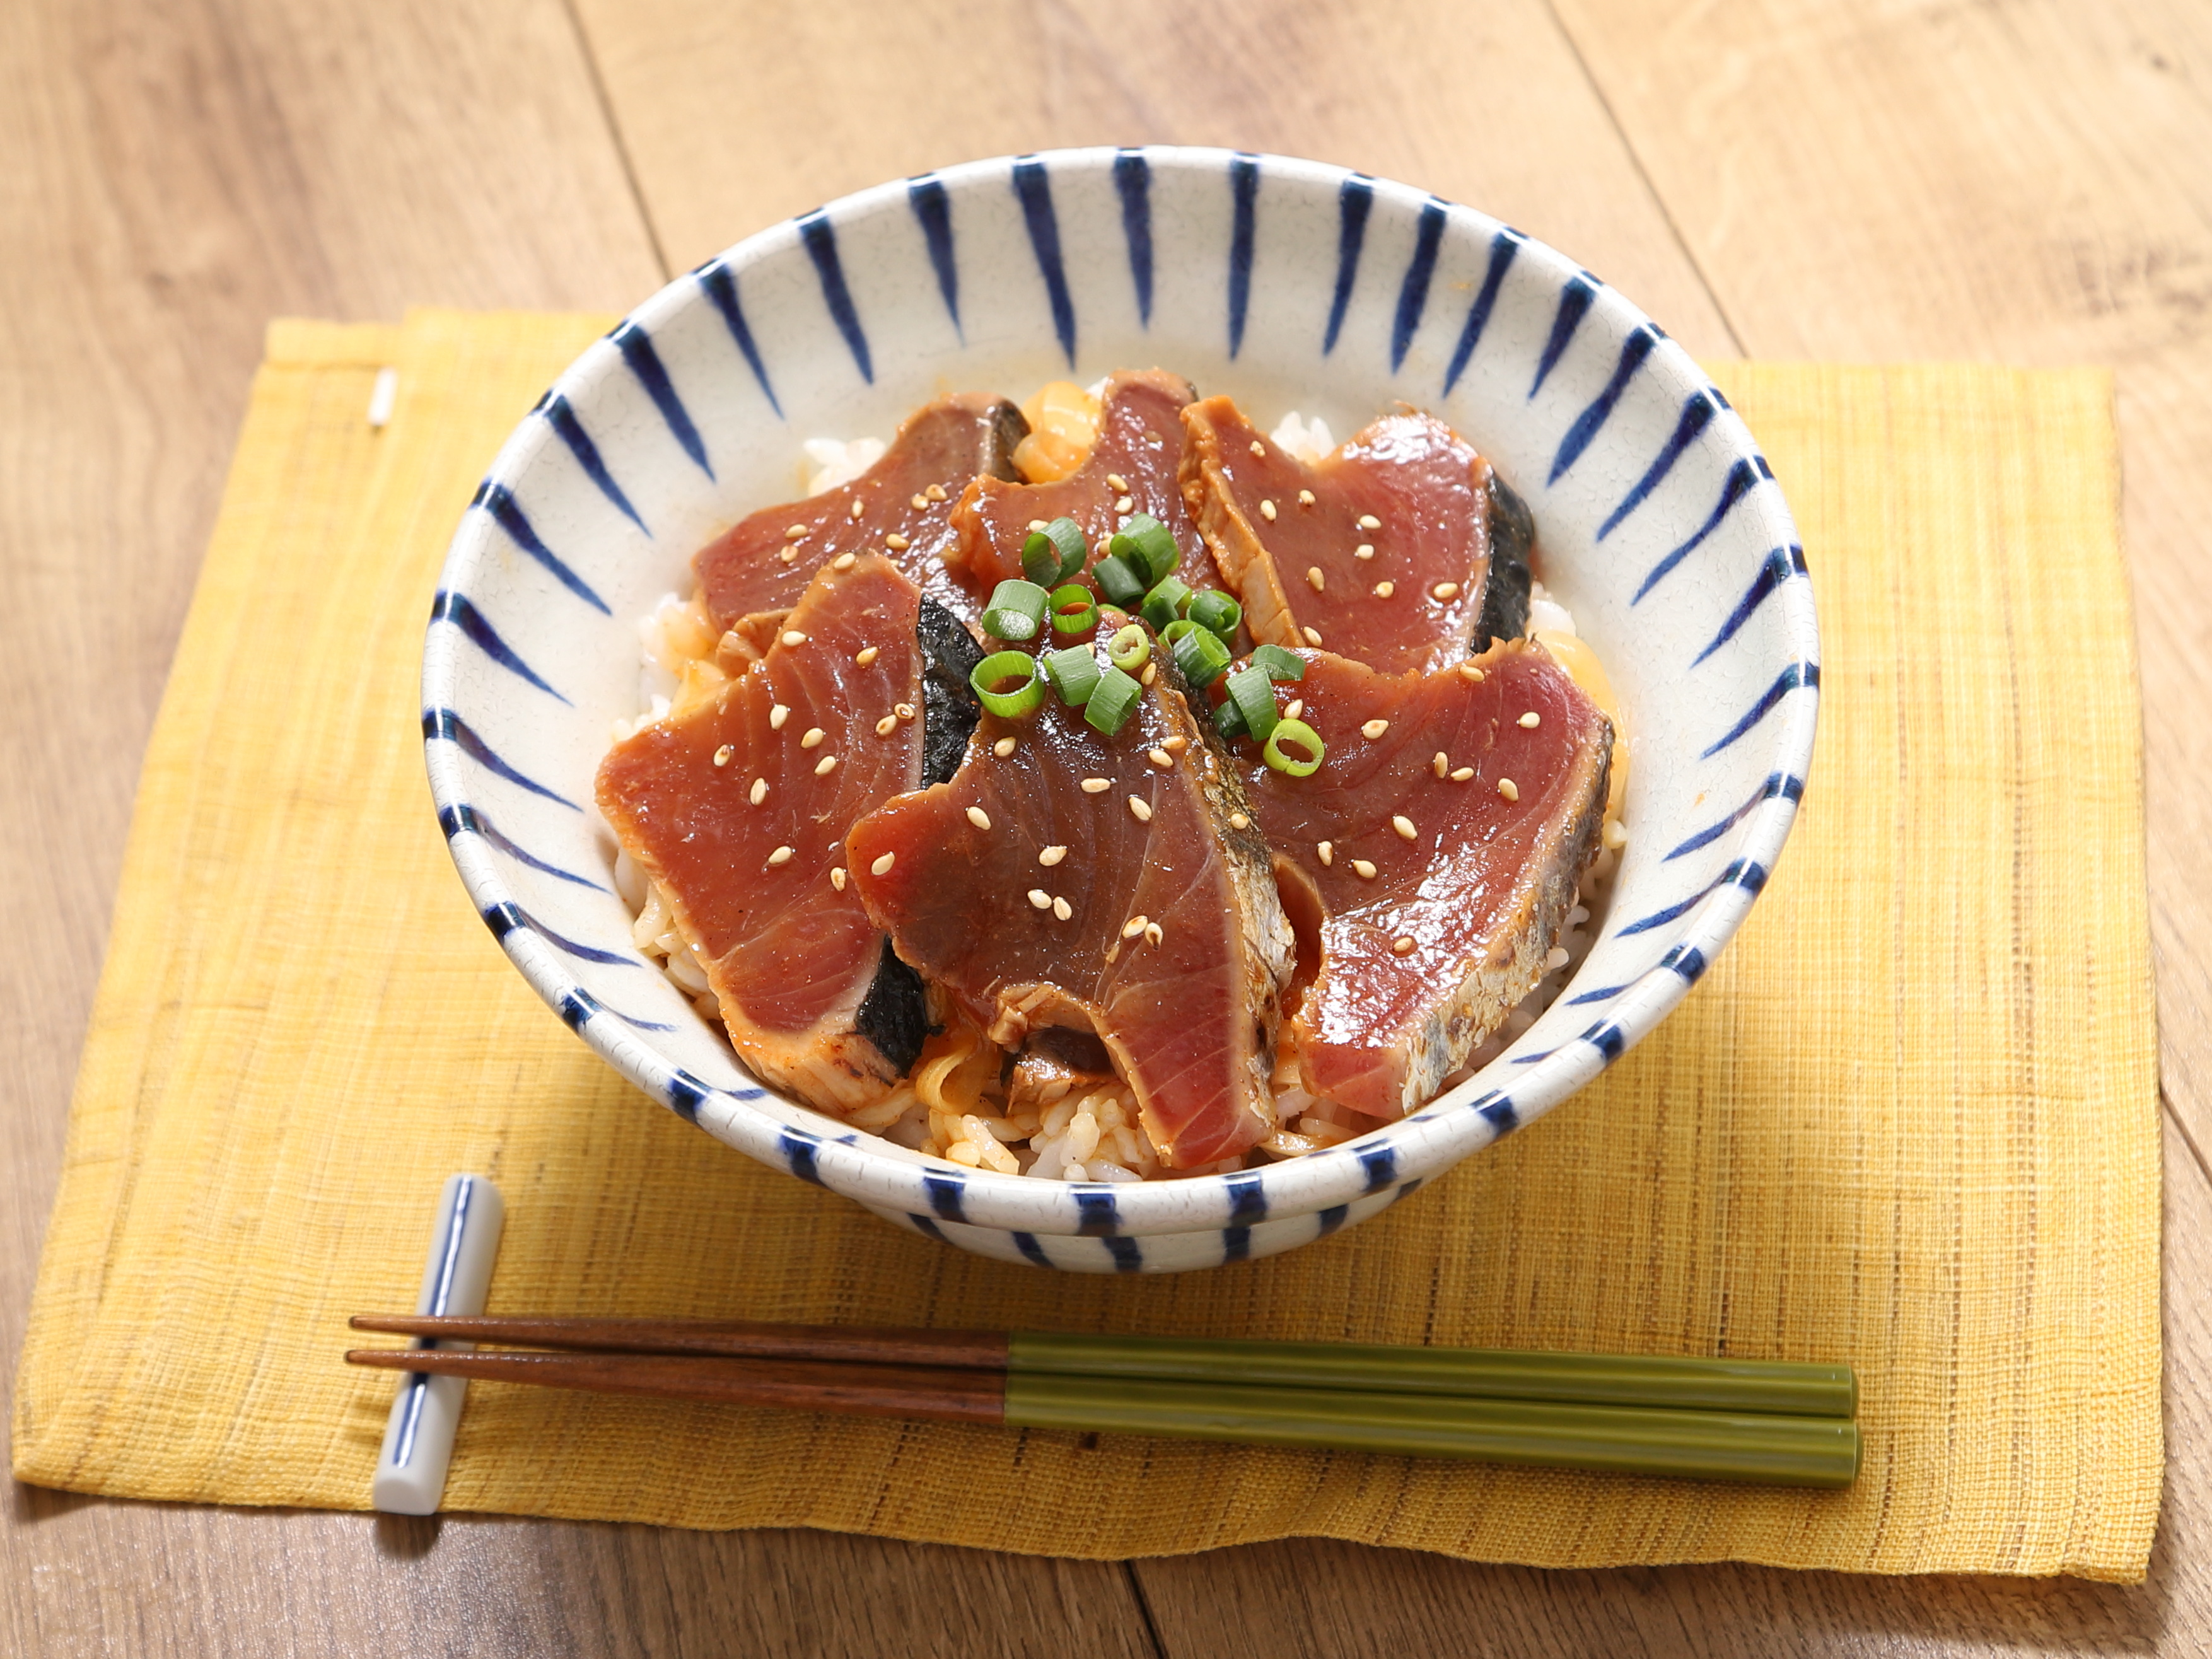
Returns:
(930,699)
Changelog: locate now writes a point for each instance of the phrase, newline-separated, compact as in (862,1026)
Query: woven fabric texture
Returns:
(1908,1121)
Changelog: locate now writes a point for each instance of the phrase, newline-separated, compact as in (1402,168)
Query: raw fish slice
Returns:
(1140,442)
(1187,1013)
(813,1000)
(1479,893)
(759,567)
(1288,538)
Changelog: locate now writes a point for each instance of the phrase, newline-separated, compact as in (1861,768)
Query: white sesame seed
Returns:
(886,725)
(1268,511)
(1153,932)
(758,793)
(826,765)
(1040,898)
(1036,524)
(935,492)
(1364,550)
(1125,504)
(837,876)
(866,655)
(882,867)
(1327,851)
(1403,944)
(1532,719)
(1135,926)
(782,855)
(1404,826)
(1096,786)
(1384,589)
(1294,708)
(1374,729)
(1305,498)
(1141,809)
(903,710)
(792,636)
(813,737)
(1239,820)
(1462,774)
(1052,855)
(920,503)
(1444,590)
(897,542)
(979,817)
(1004,747)
(1363,869)
(1117,483)
(722,755)
(1442,764)
(1315,580)
(1161,759)
(1509,789)
(1469,672)
(1062,908)
(1313,636)
(1259,448)
(789,556)
(844,562)
(1369,521)
(1176,744)
(797,533)
(857,509)
(1151,673)
(777,716)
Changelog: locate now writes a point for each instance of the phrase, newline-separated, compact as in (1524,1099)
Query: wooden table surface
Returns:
(2026,181)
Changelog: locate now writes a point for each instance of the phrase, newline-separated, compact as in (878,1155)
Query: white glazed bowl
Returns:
(1285,282)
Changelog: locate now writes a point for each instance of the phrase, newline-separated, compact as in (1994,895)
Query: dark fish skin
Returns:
(1189,1017)
(949,656)
(756,568)
(814,1002)
(1405,487)
(1512,540)
(1479,892)
(1139,442)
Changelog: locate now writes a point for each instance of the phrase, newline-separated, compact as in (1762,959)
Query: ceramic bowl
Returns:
(1290,285)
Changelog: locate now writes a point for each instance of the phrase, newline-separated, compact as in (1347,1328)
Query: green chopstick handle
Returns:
(1593,1379)
(1694,1445)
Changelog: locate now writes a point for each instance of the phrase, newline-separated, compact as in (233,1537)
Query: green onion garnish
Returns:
(1201,656)
(1277,755)
(1216,612)
(1229,719)
(1254,696)
(1128,649)
(1121,580)
(1054,553)
(1073,610)
(1148,544)
(1111,701)
(1280,664)
(1016,610)
(1166,600)
(1074,672)
(1004,665)
(1175,631)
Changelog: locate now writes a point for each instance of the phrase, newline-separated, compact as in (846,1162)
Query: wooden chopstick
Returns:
(1770,1449)
(1631,1380)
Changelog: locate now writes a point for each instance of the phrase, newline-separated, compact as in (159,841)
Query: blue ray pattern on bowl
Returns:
(1290,285)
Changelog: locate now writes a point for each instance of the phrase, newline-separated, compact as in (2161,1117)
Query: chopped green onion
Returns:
(1216,612)
(1280,664)
(1254,696)
(1166,600)
(1128,649)
(1073,672)
(1175,631)
(1111,701)
(1121,580)
(1277,755)
(1053,553)
(1073,610)
(1016,610)
(1148,544)
(1201,656)
(1229,719)
(1004,665)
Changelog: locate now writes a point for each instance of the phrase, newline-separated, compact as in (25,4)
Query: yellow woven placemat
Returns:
(1909,1120)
